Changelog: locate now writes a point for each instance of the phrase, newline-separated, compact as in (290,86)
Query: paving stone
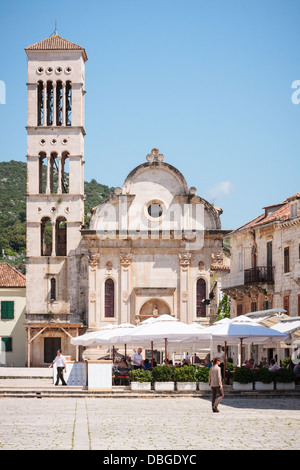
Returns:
(156,424)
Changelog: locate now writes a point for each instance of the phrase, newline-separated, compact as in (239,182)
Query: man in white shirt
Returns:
(137,359)
(219,353)
(61,364)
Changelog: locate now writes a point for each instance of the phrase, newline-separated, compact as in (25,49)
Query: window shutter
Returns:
(7,310)
(286,304)
(6,344)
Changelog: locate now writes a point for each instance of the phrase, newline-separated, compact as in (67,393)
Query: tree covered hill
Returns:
(13,176)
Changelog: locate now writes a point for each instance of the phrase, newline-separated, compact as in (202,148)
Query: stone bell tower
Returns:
(55,194)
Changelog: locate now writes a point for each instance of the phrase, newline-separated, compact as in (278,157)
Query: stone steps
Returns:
(38,383)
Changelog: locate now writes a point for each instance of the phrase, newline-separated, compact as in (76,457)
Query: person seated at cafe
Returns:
(147,364)
(168,363)
(207,363)
(123,367)
(273,365)
(263,362)
(250,364)
(197,359)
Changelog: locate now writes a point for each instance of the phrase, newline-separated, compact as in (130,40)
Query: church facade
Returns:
(154,247)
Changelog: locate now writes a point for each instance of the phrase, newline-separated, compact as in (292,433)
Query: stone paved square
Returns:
(149,424)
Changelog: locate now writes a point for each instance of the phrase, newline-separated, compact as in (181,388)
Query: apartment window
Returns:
(267,304)
(6,344)
(286,304)
(239,309)
(239,261)
(253,306)
(286,259)
(7,310)
(52,289)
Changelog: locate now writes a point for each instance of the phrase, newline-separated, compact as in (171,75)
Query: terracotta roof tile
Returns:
(280,214)
(56,43)
(11,277)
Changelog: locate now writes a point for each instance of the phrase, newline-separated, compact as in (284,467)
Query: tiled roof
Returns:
(280,213)
(56,43)
(11,277)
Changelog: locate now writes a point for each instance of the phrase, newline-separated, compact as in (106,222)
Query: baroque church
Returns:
(154,247)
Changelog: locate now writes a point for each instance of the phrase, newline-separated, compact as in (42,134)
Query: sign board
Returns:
(100,375)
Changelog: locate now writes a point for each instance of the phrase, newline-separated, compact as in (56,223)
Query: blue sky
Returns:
(207,82)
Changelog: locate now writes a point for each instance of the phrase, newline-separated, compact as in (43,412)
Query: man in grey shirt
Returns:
(215,382)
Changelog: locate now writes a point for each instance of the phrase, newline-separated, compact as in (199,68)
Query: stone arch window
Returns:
(65,172)
(61,236)
(42,173)
(59,103)
(52,289)
(49,104)
(53,172)
(68,103)
(46,237)
(40,102)
(201,296)
(109,298)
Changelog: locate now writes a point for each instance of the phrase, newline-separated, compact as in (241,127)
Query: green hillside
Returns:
(13,209)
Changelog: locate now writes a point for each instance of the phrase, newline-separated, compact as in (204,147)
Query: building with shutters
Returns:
(12,316)
(265,261)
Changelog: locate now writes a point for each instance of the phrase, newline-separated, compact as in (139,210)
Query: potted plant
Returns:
(285,379)
(140,379)
(162,377)
(202,375)
(243,379)
(185,378)
(263,379)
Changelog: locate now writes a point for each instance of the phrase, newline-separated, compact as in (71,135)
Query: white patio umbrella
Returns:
(101,336)
(241,330)
(165,329)
(88,338)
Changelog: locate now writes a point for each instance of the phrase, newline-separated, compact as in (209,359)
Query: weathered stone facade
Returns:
(265,261)
(149,248)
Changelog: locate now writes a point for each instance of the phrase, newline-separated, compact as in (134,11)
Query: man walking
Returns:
(61,364)
(215,382)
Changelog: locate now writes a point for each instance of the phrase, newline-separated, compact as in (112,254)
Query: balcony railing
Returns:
(263,274)
(259,274)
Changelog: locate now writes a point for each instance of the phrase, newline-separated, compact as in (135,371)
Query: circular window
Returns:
(40,70)
(68,70)
(155,210)
(49,70)
(59,70)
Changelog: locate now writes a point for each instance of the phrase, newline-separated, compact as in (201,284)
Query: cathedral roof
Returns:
(11,277)
(56,43)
